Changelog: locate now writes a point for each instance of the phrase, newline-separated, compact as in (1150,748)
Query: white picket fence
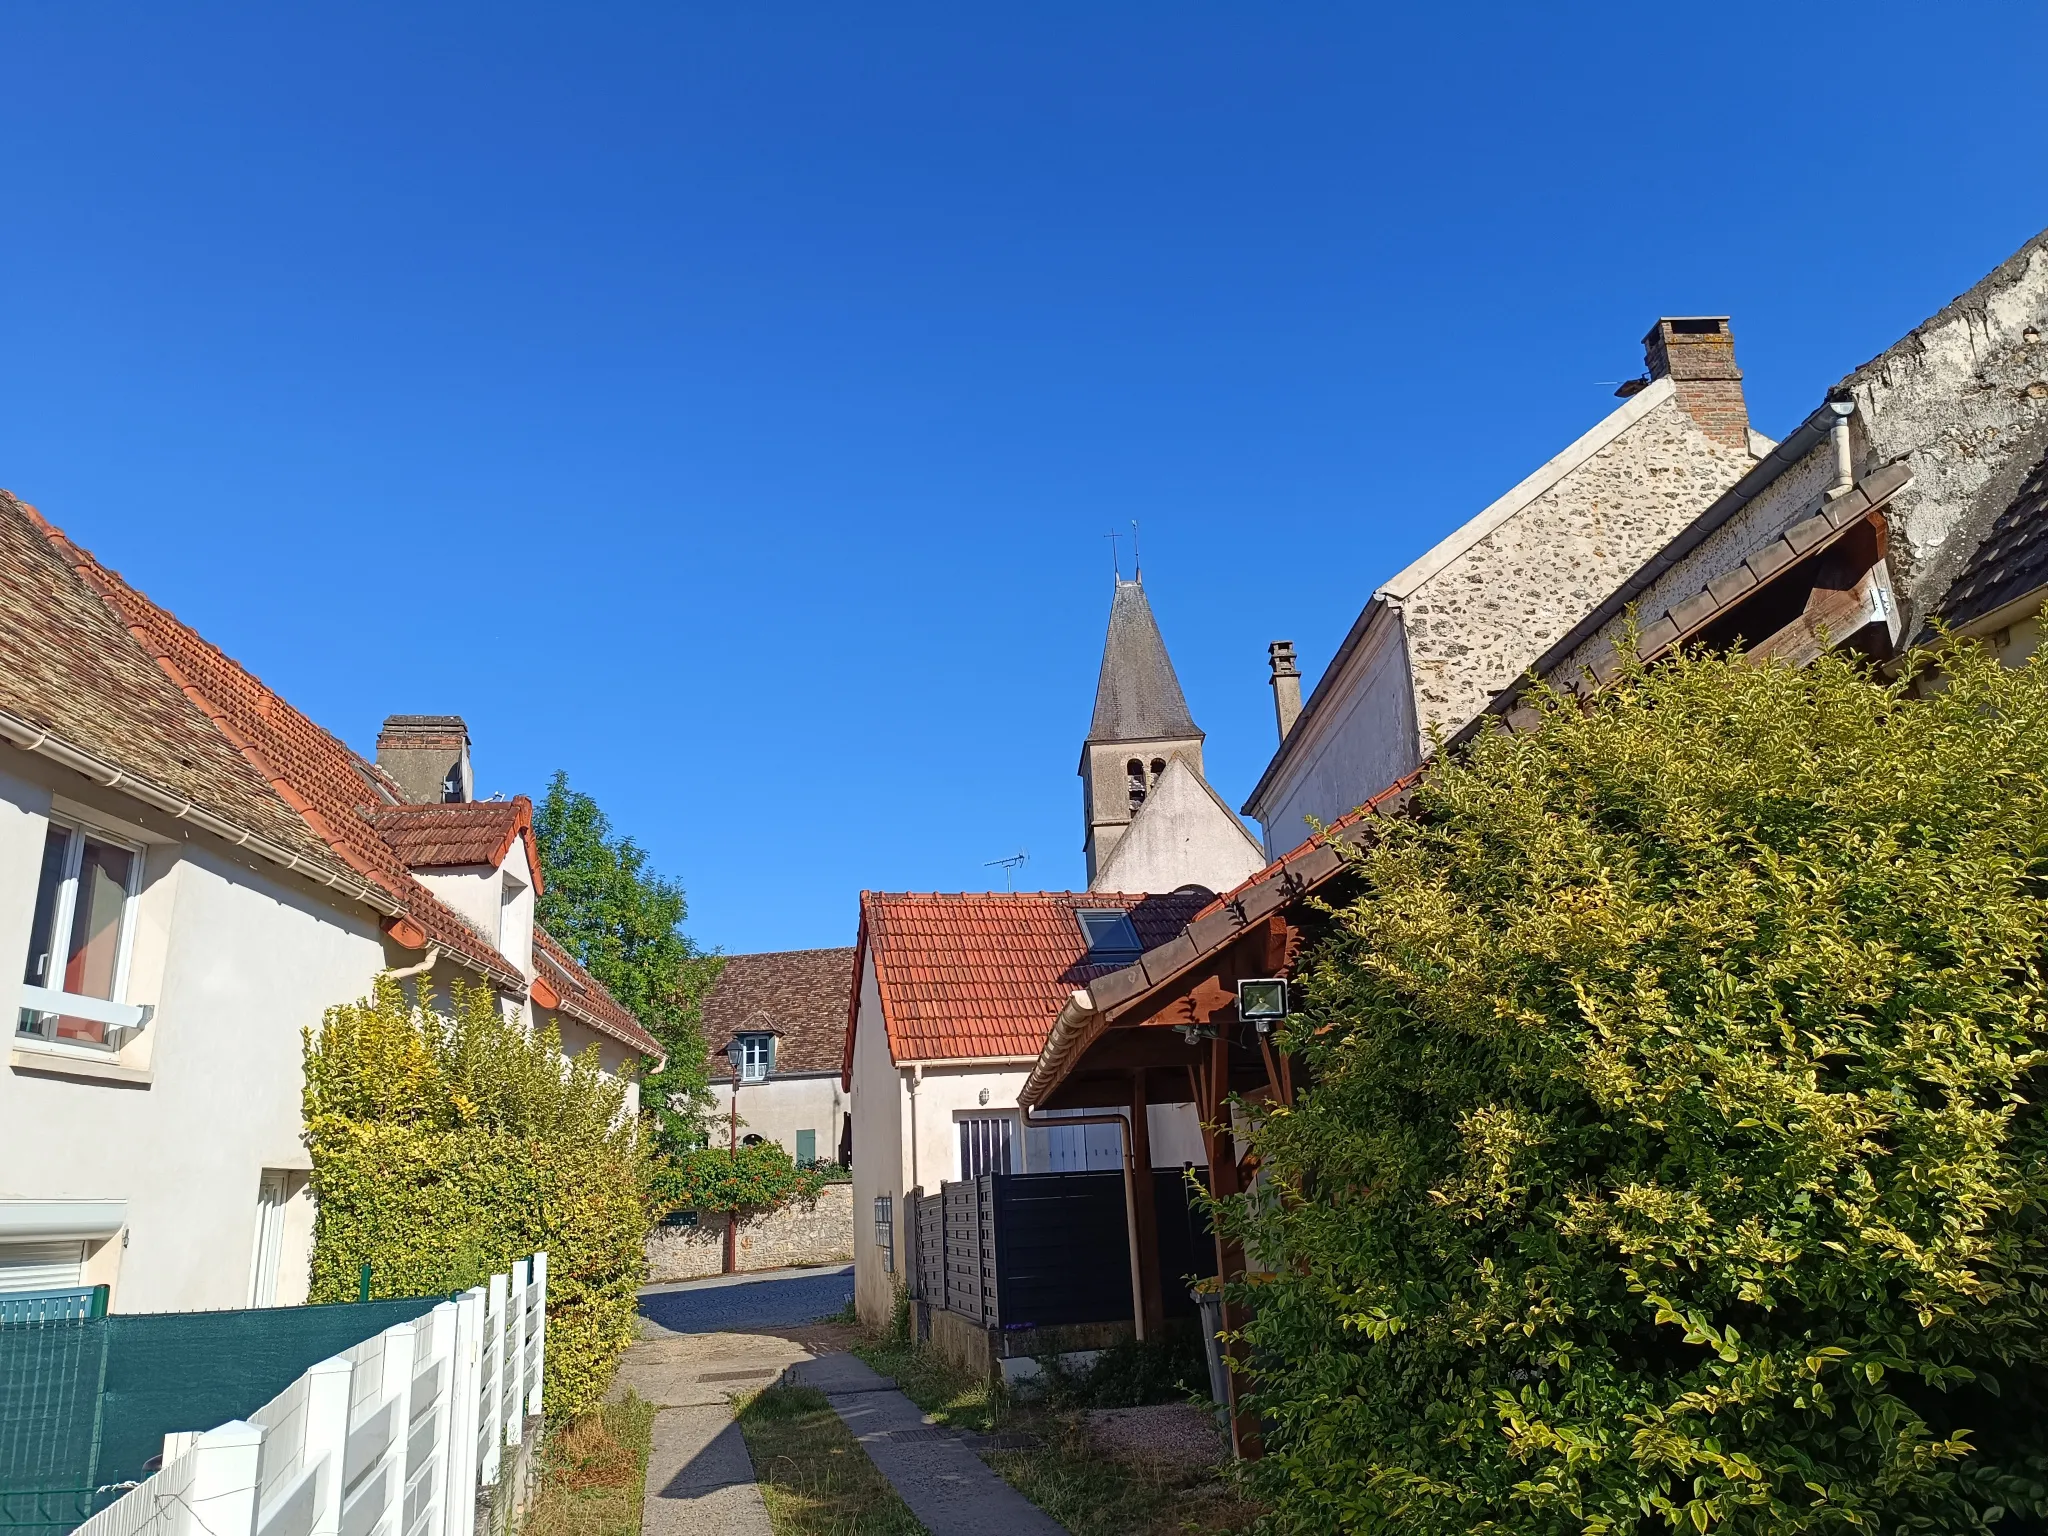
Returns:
(391,1438)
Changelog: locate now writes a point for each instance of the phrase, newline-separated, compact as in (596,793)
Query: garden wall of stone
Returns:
(818,1232)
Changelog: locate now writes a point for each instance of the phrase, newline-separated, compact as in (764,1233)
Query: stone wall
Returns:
(1476,624)
(1962,400)
(818,1233)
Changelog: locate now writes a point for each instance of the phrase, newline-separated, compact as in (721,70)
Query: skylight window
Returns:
(1109,933)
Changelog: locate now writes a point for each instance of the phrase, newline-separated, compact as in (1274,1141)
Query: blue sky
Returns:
(727,403)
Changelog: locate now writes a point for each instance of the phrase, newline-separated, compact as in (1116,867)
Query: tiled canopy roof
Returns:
(802,995)
(579,995)
(2012,562)
(983,975)
(466,832)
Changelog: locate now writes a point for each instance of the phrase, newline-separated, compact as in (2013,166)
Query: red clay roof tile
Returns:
(985,974)
(466,832)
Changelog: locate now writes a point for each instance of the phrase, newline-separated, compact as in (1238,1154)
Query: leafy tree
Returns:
(624,923)
(1675,1156)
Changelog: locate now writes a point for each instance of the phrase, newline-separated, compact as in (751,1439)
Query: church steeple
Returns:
(1141,723)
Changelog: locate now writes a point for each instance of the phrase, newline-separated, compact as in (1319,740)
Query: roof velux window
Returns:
(1110,936)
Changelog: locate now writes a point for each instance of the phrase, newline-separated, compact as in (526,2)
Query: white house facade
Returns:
(190,875)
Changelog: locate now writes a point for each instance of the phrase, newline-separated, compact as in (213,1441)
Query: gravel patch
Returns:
(1171,1437)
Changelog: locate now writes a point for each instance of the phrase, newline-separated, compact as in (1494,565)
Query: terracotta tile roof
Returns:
(88,660)
(306,768)
(984,975)
(582,997)
(69,666)
(467,832)
(803,995)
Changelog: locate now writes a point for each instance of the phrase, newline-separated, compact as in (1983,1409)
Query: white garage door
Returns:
(41,1266)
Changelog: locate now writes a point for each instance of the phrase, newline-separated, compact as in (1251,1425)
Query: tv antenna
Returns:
(1011,865)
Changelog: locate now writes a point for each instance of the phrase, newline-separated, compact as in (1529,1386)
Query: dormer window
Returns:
(756,1055)
(1111,938)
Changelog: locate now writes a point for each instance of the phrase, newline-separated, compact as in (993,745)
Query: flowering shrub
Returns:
(1675,1156)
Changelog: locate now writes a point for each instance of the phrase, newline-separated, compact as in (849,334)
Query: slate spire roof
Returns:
(1137,697)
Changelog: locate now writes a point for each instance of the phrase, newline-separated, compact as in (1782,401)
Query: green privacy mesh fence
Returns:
(86,1402)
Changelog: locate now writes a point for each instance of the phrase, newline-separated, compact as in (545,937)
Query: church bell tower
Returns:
(1141,724)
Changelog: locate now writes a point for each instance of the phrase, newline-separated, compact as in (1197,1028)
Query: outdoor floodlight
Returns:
(1262,1001)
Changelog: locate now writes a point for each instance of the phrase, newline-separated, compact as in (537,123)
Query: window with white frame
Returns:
(83,929)
(986,1143)
(756,1054)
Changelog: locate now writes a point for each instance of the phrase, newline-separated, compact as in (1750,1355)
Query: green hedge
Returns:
(445,1148)
(762,1177)
(1675,1158)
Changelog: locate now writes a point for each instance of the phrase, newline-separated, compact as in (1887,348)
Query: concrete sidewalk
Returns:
(700,1480)
(949,1488)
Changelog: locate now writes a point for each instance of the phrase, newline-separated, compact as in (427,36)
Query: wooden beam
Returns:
(1146,1213)
(1223,1183)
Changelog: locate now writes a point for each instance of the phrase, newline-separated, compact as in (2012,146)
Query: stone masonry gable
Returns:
(1479,621)
(1963,399)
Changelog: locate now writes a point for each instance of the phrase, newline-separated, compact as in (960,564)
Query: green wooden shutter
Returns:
(807,1146)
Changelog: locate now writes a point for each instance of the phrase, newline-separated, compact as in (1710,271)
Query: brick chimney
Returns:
(429,757)
(1697,353)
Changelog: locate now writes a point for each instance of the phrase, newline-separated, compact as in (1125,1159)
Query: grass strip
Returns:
(1094,1495)
(815,1478)
(949,1395)
(593,1473)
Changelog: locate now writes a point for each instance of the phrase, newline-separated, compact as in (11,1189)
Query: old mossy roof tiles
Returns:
(802,995)
(87,657)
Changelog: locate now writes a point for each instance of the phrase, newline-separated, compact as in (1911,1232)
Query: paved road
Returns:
(726,1305)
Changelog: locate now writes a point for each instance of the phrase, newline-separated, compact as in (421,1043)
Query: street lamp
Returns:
(736,1053)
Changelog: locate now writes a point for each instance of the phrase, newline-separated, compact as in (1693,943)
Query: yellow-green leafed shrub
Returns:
(446,1147)
(1675,1156)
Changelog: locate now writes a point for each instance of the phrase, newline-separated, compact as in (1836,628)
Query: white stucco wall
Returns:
(237,963)
(1182,835)
(878,1153)
(782,1106)
(1361,741)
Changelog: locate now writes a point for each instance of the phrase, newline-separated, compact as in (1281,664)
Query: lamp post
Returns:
(736,1053)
